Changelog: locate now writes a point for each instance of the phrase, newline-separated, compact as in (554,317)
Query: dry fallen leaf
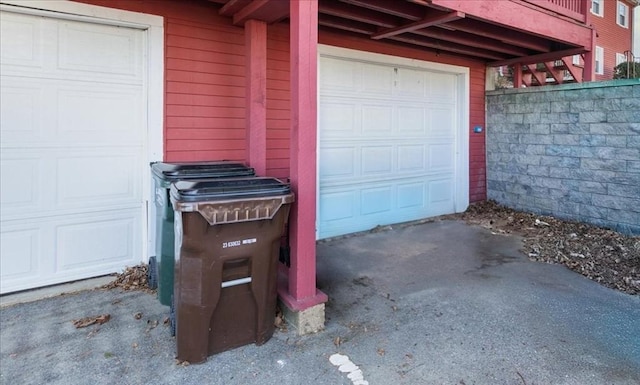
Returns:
(337,341)
(87,321)
(137,316)
(381,352)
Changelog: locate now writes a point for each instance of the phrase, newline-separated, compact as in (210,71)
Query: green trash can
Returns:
(228,235)
(161,266)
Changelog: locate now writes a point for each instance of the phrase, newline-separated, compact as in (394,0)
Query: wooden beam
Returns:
(473,41)
(351,12)
(556,74)
(346,25)
(568,62)
(424,23)
(499,33)
(255,33)
(537,58)
(233,6)
(401,9)
(439,46)
(540,77)
(266,10)
(525,19)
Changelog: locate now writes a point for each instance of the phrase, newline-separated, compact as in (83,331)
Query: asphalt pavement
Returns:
(440,302)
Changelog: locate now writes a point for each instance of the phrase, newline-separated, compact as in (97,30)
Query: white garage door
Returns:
(73,126)
(391,132)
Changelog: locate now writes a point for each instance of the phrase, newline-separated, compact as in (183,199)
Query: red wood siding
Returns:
(278,101)
(477,172)
(204,84)
(204,79)
(612,37)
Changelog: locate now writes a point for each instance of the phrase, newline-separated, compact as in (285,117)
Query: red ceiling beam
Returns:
(440,46)
(269,11)
(538,58)
(356,13)
(420,24)
(346,25)
(233,6)
(402,9)
(504,35)
(516,16)
(473,41)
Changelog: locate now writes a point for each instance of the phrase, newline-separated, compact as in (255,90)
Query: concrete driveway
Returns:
(435,303)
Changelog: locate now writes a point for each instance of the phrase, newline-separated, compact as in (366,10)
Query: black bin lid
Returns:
(227,189)
(195,170)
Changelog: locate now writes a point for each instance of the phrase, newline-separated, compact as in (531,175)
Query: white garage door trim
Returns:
(153,50)
(461,157)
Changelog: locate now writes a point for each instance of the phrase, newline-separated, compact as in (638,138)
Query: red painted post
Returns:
(256,94)
(589,71)
(517,75)
(302,291)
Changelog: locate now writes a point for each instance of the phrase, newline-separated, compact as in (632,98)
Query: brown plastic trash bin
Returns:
(228,235)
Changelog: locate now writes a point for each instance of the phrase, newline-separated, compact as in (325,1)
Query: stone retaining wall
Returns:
(571,151)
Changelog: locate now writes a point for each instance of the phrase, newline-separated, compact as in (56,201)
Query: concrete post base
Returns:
(307,321)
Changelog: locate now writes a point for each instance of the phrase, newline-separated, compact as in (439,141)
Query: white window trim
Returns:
(620,58)
(626,15)
(576,60)
(599,58)
(600,8)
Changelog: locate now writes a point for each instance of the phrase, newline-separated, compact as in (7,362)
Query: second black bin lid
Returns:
(225,189)
(194,170)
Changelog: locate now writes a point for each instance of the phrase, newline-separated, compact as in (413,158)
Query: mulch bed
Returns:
(605,256)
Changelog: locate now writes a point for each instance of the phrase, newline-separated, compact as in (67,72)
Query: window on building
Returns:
(620,58)
(597,8)
(623,15)
(599,60)
(576,60)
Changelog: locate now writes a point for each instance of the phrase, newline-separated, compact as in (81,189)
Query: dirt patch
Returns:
(605,256)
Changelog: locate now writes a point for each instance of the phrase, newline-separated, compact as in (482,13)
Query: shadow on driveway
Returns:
(435,303)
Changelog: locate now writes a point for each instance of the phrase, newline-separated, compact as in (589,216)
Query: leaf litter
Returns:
(602,255)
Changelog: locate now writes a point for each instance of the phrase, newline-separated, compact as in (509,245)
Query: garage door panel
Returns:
(20,178)
(412,158)
(20,38)
(99,114)
(20,116)
(376,200)
(73,137)
(115,185)
(338,205)
(377,119)
(99,49)
(339,162)
(412,195)
(376,160)
(442,121)
(340,118)
(441,192)
(411,83)
(412,120)
(339,74)
(376,80)
(441,157)
(20,247)
(396,160)
(99,241)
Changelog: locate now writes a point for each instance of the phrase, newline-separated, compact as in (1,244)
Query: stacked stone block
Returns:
(571,151)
